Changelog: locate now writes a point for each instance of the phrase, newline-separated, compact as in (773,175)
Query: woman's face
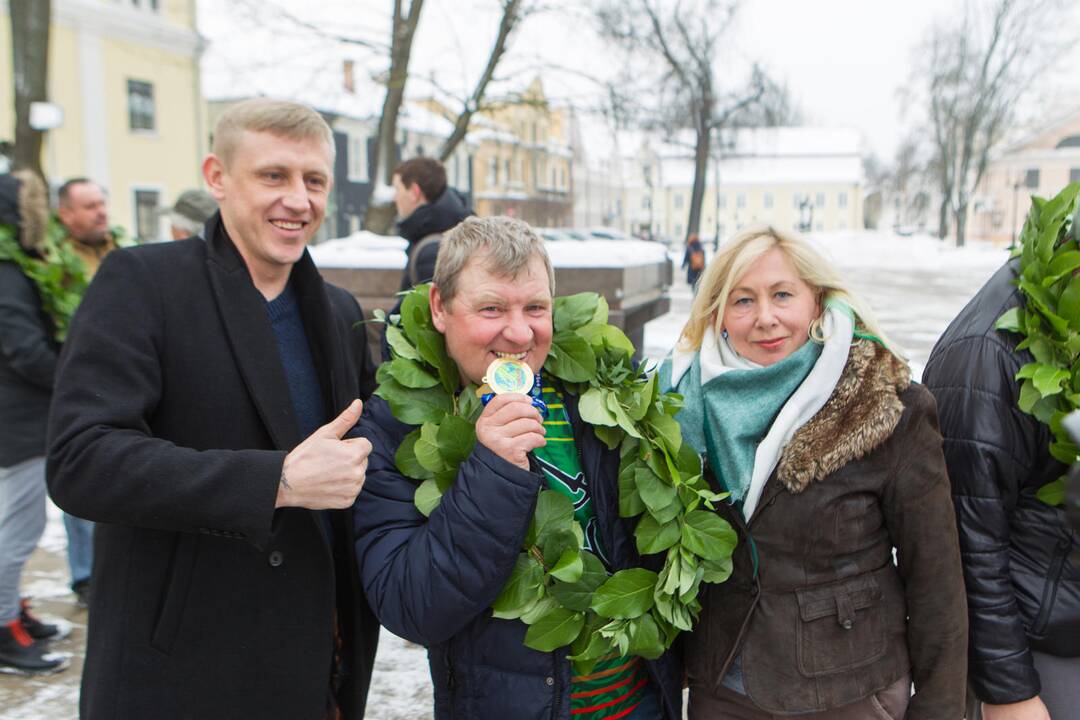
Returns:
(768,313)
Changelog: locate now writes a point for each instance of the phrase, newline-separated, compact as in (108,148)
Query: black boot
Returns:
(34,627)
(20,654)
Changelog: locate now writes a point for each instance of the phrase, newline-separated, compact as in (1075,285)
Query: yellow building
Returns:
(522,165)
(793,178)
(1042,164)
(126,75)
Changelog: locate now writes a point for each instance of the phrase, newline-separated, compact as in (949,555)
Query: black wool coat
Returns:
(170,422)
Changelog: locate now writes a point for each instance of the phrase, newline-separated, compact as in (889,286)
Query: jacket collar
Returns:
(243,313)
(861,414)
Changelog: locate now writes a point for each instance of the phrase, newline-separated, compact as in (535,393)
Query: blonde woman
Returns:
(806,414)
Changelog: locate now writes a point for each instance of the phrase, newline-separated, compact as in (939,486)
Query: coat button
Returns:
(550,681)
(276,558)
(847,624)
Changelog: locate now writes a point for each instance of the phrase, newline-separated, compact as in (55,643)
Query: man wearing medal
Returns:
(432,580)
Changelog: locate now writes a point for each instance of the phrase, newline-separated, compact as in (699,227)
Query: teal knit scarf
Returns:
(728,417)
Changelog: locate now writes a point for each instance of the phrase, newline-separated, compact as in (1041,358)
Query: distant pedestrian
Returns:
(28,353)
(189,213)
(693,260)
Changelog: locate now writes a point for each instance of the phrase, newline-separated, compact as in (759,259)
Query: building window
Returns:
(645,202)
(841,200)
(677,201)
(721,231)
(507,177)
(768,200)
(796,200)
(146,214)
(358,159)
(1031,178)
(140,105)
(678,230)
(152,5)
(721,201)
(820,200)
(740,200)
(493,171)
(1074,174)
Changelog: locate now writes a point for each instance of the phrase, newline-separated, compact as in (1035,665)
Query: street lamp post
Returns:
(1016,191)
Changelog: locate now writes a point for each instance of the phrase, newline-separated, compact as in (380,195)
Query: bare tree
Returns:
(974,71)
(380,217)
(30,54)
(684,39)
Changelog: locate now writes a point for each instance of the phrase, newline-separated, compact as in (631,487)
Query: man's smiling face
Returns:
(273,192)
(493,316)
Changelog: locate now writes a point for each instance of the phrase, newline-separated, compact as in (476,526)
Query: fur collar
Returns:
(861,414)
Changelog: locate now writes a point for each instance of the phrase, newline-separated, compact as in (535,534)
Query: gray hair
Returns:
(507,246)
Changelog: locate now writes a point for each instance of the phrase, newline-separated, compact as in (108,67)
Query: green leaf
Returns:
(578,595)
(1011,320)
(405,458)
(628,426)
(600,335)
(554,511)
(427,497)
(557,541)
(399,344)
(717,571)
(610,436)
(539,609)
(655,493)
(521,589)
(670,512)
(708,535)
(1069,303)
(1048,380)
(573,311)
(630,504)
(569,566)
(667,431)
(600,317)
(427,448)
(469,405)
(432,348)
(1064,263)
(557,628)
(1052,493)
(408,373)
(1028,396)
(412,406)
(457,437)
(571,358)
(593,408)
(645,638)
(652,537)
(1064,452)
(626,594)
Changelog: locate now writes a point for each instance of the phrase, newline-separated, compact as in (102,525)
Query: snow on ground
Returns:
(916,285)
(368,250)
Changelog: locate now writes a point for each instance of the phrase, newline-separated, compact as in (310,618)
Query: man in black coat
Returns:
(427,207)
(1023,594)
(200,405)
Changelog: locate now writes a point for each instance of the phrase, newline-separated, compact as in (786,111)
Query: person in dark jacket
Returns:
(693,261)
(28,351)
(433,579)
(427,207)
(833,460)
(1023,593)
(196,419)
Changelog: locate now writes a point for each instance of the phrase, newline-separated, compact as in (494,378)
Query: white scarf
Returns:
(838,325)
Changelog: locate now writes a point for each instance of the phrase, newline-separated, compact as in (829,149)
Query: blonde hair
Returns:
(506,246)
(735,258)
(278,117)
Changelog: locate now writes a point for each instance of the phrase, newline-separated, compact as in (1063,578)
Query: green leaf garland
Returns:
(1050,323)
(561,591)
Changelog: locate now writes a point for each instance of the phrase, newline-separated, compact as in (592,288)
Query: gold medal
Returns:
(507,375)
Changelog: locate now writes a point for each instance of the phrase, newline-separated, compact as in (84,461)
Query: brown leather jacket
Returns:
(828,618)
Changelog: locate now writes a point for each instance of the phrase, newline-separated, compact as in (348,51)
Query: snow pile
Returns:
(368,250)
(868,248)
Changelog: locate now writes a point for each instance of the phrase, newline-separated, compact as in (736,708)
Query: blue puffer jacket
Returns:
(432,580)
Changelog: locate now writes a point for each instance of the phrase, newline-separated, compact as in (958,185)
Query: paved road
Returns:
(915,299)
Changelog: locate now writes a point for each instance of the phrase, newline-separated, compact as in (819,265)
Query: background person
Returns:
(199,408)
(433,579)
(832,458)
(189,213)
(28,351)
(427,207)
(693,261)
(1023,593)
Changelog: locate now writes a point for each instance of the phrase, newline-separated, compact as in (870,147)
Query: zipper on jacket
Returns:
(556,678)
(1053,578)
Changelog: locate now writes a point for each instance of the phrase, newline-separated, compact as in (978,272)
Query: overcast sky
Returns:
(843,60)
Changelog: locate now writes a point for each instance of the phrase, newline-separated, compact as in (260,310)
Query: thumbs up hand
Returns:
(325,472)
